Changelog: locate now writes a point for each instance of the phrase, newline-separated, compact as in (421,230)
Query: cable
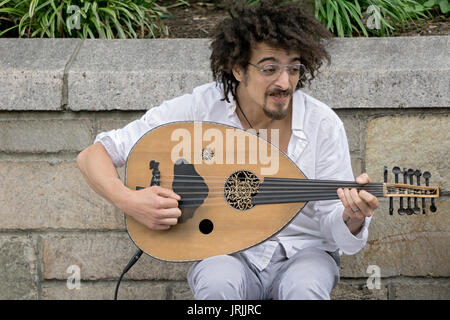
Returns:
(132,261)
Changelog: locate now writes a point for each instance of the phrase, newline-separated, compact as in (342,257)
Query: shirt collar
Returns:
(298,111)
(297,125)
(298,114)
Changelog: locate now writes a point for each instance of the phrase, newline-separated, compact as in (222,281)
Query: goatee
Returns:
(280,113)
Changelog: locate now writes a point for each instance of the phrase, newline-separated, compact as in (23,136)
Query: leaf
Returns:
(444,5)
(330,14)
(119,29)
(32,8)
(131,29)
(6,30)
(109,32)
(108,11)
(127,12)
(21,24)
(87,31)
(100,31)
(430,3)
(4,2)
(13,11)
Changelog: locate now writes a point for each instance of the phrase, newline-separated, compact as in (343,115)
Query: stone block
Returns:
(136,74)
(414,245)
(356,166)
(417,142)
(358,290)
(31,72)
(353,128)
(422,289)
(128,290)
(42,195)
(18,268)
(102,256)
(399,53)
(180,291)
(116,123)
(382,88)
(45,136)
(385,73)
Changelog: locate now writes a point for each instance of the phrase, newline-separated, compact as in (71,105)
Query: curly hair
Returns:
(285,25)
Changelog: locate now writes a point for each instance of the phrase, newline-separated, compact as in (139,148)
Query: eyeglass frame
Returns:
(285,66)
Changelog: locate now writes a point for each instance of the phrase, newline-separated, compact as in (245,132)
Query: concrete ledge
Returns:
(55,74)
(135,75)
(403,72)
(32,71)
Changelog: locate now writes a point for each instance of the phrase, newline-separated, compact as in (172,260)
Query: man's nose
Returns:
(283,79)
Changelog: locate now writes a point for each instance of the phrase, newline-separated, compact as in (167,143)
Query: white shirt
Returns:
(318,146)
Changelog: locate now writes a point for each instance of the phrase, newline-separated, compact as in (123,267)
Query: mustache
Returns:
(279,91)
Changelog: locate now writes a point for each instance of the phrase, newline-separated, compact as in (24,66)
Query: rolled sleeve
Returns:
(118,143)
(347,242)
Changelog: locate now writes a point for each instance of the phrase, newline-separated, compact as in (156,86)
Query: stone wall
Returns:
(57,94)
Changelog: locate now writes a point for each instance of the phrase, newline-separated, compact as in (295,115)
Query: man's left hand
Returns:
(358,205)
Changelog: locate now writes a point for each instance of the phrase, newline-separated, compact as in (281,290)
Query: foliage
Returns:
(369,17)
(346,18)
(444,5)
(107,19)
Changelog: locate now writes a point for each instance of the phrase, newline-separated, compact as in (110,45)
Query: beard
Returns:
(281,111)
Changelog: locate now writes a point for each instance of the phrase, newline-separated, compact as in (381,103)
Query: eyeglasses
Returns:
(273,70)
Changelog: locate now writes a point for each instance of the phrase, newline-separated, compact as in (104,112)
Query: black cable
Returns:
(132,261)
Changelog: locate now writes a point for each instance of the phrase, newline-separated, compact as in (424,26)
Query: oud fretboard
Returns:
(284,190)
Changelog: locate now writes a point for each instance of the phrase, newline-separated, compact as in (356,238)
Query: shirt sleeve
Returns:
(334,164)
(119,142)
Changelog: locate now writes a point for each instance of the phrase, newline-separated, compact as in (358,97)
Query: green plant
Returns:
(369,17)
(395,14)
(340,16)
(444,5)
(106,19)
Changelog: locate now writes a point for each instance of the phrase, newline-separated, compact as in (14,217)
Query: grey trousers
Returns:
(310,274)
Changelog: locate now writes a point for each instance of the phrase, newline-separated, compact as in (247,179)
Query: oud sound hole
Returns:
(206,226)
(239,189)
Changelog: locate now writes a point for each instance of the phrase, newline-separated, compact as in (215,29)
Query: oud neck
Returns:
(284,190)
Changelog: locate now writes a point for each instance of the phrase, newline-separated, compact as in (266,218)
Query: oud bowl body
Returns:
(216,151)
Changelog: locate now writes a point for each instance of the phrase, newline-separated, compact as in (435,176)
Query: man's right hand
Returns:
(155,207)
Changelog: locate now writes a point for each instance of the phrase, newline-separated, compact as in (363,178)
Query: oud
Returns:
(228,207)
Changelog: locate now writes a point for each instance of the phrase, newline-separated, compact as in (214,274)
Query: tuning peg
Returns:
(396,171)
(410,173)
(417,173)
(402,210)
(427,176)
(391,200)
(411,182)
(411,176)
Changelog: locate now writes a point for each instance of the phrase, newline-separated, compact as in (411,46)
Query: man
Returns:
(260,58)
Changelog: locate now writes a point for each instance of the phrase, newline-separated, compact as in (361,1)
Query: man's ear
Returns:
(238,72)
